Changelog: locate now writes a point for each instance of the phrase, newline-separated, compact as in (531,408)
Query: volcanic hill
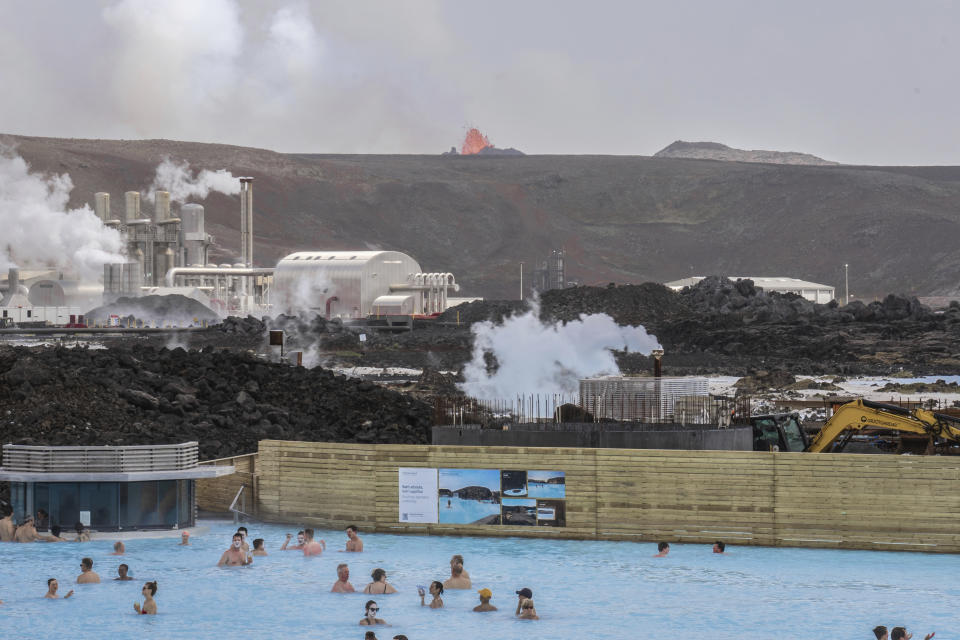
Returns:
(620,218)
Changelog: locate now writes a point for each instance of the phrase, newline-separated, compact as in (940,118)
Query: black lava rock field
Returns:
(225,400)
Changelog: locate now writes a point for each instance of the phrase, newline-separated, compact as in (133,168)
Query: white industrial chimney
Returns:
(246,221)
(161,209)
(133,205)
(101,204)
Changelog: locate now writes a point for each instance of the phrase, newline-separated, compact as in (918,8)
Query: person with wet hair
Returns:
(370,615)
(881,632)
(149,604)
(258,549)
(26,532)
(122,571)
(118,548)
(528,611)
(342,585)
(296,547)
(243,536)
(87,574)
(719,547)
(312,547)
(459,579)
(900,633)
(235,556)
(7,528)
(354,543)
(52,586)
(379,584)
(663,548)
(436,590)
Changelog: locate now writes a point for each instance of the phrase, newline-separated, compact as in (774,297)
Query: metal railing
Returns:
(557,408)
(159,457)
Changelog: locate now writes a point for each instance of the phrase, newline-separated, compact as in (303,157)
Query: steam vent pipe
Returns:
(246,221)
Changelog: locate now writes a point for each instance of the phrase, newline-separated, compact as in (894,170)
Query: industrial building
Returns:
(358,284)
(819,293)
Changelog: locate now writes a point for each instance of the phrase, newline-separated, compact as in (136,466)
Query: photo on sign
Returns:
(519,511)
(513,484)
(551,513)
(469,496)
(546,484)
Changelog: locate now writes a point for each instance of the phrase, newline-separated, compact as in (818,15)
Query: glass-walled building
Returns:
(106,488)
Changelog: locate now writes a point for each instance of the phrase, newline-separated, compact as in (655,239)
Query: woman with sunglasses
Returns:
(370,618)
(149,604)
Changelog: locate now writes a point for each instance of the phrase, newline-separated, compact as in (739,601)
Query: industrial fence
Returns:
(742,497)
(623,407)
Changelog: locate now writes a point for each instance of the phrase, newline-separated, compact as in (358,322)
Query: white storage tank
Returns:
(341,284)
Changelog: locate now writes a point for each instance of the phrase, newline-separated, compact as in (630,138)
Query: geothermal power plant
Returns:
(168,255)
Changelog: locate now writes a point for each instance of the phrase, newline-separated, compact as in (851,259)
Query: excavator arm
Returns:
(864,414)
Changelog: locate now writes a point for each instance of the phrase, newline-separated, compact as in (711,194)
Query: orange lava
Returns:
(474,143)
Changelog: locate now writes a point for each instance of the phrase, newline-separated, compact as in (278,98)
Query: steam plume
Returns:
(535,357)
(180,181)
(39,230)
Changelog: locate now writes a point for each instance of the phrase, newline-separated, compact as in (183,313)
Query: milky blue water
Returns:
(456,511)
(596,590)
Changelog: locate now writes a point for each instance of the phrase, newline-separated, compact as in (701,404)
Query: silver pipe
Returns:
(172,274)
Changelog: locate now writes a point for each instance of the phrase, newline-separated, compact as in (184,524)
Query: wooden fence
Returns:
(847,501)
(216,494)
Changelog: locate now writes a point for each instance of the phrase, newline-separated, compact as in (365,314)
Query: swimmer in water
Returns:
(234,556)
(485,595)
(528,611)
(149,604)
(258,549)
(719,547)
(342,585)
(663,548)
(185,539)
(122,573)
(118,549)
(7,528)
(436,590)
(296,547)
(87,574)
(26,532)
(52,586)
(310,546)
(83,535)
(371,619)
(354,543)
(459,579)
(243,533)
(379,584)
(54,535)
(900,633)
(523,594)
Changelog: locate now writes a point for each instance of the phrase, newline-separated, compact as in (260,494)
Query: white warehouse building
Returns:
(819,293)
(357,284)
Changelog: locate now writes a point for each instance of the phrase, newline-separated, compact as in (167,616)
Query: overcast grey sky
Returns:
(866,82)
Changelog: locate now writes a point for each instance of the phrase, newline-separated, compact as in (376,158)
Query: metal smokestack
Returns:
(161,206)
(657,363)
(101,204)
(246,221)
(133,205)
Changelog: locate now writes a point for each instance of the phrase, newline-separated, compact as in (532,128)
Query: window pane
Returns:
(100,499)
(138,504)
(167,498)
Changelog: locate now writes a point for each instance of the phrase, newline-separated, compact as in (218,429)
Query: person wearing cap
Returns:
(485,595)
(26,532)
(185,539)
(523,594)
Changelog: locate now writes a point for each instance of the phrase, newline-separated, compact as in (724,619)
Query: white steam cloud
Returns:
(38,230)
(182,183)
(534,357)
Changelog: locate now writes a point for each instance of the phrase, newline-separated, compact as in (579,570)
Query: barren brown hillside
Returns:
(623,219)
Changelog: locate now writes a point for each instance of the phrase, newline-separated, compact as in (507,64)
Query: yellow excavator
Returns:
(942,431)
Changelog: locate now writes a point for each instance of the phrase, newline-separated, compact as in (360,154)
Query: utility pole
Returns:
(521,281)
(846,283)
